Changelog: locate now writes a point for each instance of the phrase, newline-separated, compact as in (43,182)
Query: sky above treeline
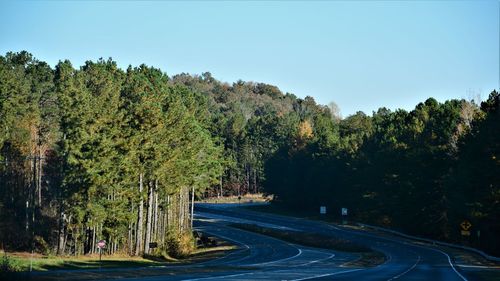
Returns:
(360,54)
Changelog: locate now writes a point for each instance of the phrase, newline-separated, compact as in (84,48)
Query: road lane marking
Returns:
(248,247)
(315,261)
(410,269)
(393,240)
(227,238)
(225,256)
(280,260)
(451,264)
(219,277)
(478,266)
(232,219)
(447,256)
(325,275)
(402,242)
(251,273)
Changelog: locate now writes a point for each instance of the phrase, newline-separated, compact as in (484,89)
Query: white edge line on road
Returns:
(434,242)
(231,219)
(447,256)
(408,270)
(315,261)
(250,273)
(329,274)
(392,240)
(230,254)
(218,277)
(477,266)
(451,264)
(410,244)
(275,261)
(227,238)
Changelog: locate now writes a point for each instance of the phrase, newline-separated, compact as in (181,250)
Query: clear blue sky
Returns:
(360,54)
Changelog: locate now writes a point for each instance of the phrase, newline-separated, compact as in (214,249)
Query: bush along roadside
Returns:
(8,264)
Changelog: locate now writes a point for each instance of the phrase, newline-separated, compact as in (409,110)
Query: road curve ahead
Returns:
(265,258)
(405,260)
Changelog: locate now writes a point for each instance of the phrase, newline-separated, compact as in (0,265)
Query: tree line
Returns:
(422,172)
(100,152)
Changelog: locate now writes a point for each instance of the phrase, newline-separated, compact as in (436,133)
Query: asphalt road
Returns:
(405,260)
(264,258)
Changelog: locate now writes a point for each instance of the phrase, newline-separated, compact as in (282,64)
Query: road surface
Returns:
(277,260)
(261,257)
(264,258)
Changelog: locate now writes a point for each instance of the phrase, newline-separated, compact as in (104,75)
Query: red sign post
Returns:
(101,245)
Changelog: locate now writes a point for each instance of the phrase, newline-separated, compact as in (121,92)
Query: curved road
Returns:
(277,260)
(264,258)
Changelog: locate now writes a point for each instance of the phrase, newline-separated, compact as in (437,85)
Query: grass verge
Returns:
(18,262)
(306,239)
(22,262)
(484,275)
(247,198)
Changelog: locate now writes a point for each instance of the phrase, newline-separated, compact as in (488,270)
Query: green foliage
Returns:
(179,245)
(41,246)
(97,129)
(8,265)
(422,171)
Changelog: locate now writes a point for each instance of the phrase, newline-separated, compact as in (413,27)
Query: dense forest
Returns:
(98,152)
(423,172)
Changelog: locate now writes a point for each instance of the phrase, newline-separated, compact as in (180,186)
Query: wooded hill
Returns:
(103,153)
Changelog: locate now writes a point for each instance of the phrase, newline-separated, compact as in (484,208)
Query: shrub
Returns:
(41,246)
(8,265)
(179,245)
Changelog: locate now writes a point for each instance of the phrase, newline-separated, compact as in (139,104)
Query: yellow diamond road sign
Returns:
(465,232)
(466,225)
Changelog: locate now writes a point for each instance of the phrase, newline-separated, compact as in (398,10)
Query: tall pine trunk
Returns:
(61,243)
(220,192)
(149,217)
(255,187)
(168,214)
(155,213)
(181,209)
(138,236)
(192,206)
(39,176)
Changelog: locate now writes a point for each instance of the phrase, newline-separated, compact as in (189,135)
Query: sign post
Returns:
(465,228)
(101,244)
(344,212)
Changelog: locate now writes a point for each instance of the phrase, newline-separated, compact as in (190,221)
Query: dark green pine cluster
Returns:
(423,172)
(99,153)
